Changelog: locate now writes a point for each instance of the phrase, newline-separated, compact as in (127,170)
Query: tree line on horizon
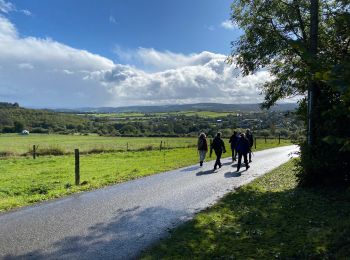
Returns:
(14,119)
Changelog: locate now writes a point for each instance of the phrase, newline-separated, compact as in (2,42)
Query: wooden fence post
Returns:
(77,167)
(279,138)
(255,143)
(160,146)
(34,152)
(265,139)
(127,146)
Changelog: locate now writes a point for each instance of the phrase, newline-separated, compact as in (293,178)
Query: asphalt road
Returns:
(120,221)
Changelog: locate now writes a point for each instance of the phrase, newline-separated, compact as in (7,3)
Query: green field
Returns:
(19,144)
(14,144)
(132,115)
(24,180)
(270,218)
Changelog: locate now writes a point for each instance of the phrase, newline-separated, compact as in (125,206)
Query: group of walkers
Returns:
(241,146)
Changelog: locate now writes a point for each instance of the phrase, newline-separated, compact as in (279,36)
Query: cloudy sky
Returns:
(75,53)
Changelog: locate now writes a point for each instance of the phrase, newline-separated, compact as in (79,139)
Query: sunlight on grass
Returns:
(269,218)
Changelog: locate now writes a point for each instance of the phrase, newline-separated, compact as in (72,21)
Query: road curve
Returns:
(120,221)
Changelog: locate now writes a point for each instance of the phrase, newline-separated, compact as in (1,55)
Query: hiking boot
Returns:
(247,167)
(237,169)
(201,163)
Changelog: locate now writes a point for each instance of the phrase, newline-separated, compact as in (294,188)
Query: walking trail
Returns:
(120,221)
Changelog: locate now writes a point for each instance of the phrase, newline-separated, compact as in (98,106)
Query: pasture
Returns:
(146,116)
(19,144)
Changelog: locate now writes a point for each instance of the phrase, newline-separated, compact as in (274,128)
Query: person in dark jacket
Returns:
(250,138)
(218,146)
(233,141)
(202,148)
(243,149)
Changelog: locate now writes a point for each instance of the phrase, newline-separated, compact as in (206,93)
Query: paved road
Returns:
(119,221)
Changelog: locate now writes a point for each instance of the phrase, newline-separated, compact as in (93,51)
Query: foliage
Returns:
(172,124)
(14,119)
(304,45)
(270,218)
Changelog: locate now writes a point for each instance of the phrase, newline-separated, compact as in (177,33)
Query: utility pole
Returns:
(314,20)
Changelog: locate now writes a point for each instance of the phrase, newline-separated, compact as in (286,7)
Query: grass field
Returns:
(14,144)
(19,144)
(24,180)
(270,218)
(204,114)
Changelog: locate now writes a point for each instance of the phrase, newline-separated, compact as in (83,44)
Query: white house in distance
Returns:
(25,132)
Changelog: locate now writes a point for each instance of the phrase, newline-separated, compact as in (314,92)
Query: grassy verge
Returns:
(269,218)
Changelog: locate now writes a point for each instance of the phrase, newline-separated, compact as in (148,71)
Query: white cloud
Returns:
(227,24)
(44,72)
(112,19)
(210,27)
(152,60)
(6,7)
(202,77)
(25,66)
(26,12)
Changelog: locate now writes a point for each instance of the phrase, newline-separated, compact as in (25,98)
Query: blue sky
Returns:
(73,53)
(181,26)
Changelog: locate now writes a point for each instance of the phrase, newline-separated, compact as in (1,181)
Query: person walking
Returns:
(218,146)
(202,146)
(250,138)
(243,149)
(233,141)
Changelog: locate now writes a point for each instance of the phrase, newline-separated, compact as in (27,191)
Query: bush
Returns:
(6,153)
(53,150)
(323,165)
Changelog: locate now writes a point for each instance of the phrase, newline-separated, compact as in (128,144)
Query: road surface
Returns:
(120,221)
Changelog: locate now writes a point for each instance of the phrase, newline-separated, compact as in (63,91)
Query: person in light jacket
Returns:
(243,149)
(202,146)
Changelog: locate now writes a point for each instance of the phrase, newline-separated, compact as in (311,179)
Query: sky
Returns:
(90,53)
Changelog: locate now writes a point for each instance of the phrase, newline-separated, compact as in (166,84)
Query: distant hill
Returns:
(14,118)
(216,107)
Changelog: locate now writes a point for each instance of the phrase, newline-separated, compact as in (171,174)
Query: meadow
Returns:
(24,181)
(203,114)
(16,144)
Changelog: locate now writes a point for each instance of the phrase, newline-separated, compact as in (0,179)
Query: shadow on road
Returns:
(204,172)
(192,168)
(123,237)
(232,174)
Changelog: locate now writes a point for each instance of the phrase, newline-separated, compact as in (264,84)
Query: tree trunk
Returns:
(313,88)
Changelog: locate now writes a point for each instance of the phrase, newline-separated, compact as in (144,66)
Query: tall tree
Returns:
(304,44)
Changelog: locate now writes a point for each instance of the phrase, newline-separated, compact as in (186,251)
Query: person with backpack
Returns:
(250,138)
(202,146)
(233,141)
(243,149)
(218,146)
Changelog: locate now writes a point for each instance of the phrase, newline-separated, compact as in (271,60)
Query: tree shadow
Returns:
(256,224)
(123,237)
